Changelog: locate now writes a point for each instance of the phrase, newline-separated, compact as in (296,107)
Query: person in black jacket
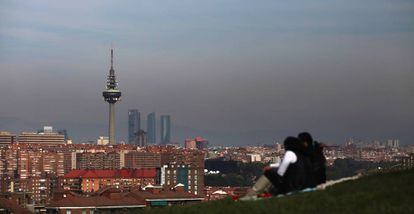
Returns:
(289,176)
(314,153)
(320,172)
(292,170)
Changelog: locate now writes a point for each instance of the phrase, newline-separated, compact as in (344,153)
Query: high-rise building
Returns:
(165,129)
(151,128)
(134,125)
(112,95)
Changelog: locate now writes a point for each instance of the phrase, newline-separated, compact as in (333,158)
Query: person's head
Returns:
(306,139)
(293,144)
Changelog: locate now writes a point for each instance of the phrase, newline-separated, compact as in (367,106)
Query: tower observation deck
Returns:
(111,95)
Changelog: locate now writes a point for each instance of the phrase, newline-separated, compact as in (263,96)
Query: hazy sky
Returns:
(235,72)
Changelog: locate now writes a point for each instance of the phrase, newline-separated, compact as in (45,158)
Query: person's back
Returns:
(316,161)
(319,167)
(295,176)
(309,168)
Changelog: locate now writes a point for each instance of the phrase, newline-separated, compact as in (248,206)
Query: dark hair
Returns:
(293,144)
(306,137)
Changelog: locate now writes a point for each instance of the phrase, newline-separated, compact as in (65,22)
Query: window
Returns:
(68,212)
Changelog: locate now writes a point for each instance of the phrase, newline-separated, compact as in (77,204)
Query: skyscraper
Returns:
(165,129)
(151,128)
(134,124)
(111,95)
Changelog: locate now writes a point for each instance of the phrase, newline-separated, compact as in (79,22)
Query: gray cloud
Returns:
(235,73)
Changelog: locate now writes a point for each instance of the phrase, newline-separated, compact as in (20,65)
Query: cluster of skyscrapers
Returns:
(139,137)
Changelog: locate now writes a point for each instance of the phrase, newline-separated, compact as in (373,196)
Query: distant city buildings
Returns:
(138,136)
(254,158)
(6,138)
(97,160)
(407,162)
(134,125)
(47,136)
(151,128)
(64,132)
(92,180)
(102,140)
(140,159)
(42,170)
(278,147)
(165,129)
(393,143)
(196,143)
(190,144)
(141,138)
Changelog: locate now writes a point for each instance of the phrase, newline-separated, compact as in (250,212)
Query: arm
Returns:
(289,158)
(274,165)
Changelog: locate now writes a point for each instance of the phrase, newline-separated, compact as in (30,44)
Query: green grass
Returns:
(381,193)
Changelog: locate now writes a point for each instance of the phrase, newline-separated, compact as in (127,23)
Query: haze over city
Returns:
(234,72)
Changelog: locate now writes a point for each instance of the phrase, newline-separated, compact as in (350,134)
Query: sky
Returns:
(234,72)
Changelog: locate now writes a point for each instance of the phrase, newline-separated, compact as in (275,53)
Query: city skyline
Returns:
(235,73)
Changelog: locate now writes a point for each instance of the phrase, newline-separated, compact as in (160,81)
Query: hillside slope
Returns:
(380,193)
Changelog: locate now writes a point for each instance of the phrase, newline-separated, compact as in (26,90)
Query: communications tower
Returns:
(111,95)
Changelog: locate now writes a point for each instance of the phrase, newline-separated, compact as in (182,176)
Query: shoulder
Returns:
(289,153)
(319,145)
(290,156)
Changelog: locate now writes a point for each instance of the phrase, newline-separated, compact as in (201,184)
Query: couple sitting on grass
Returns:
(302,167)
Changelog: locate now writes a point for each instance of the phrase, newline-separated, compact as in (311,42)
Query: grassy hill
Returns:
(381,193)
